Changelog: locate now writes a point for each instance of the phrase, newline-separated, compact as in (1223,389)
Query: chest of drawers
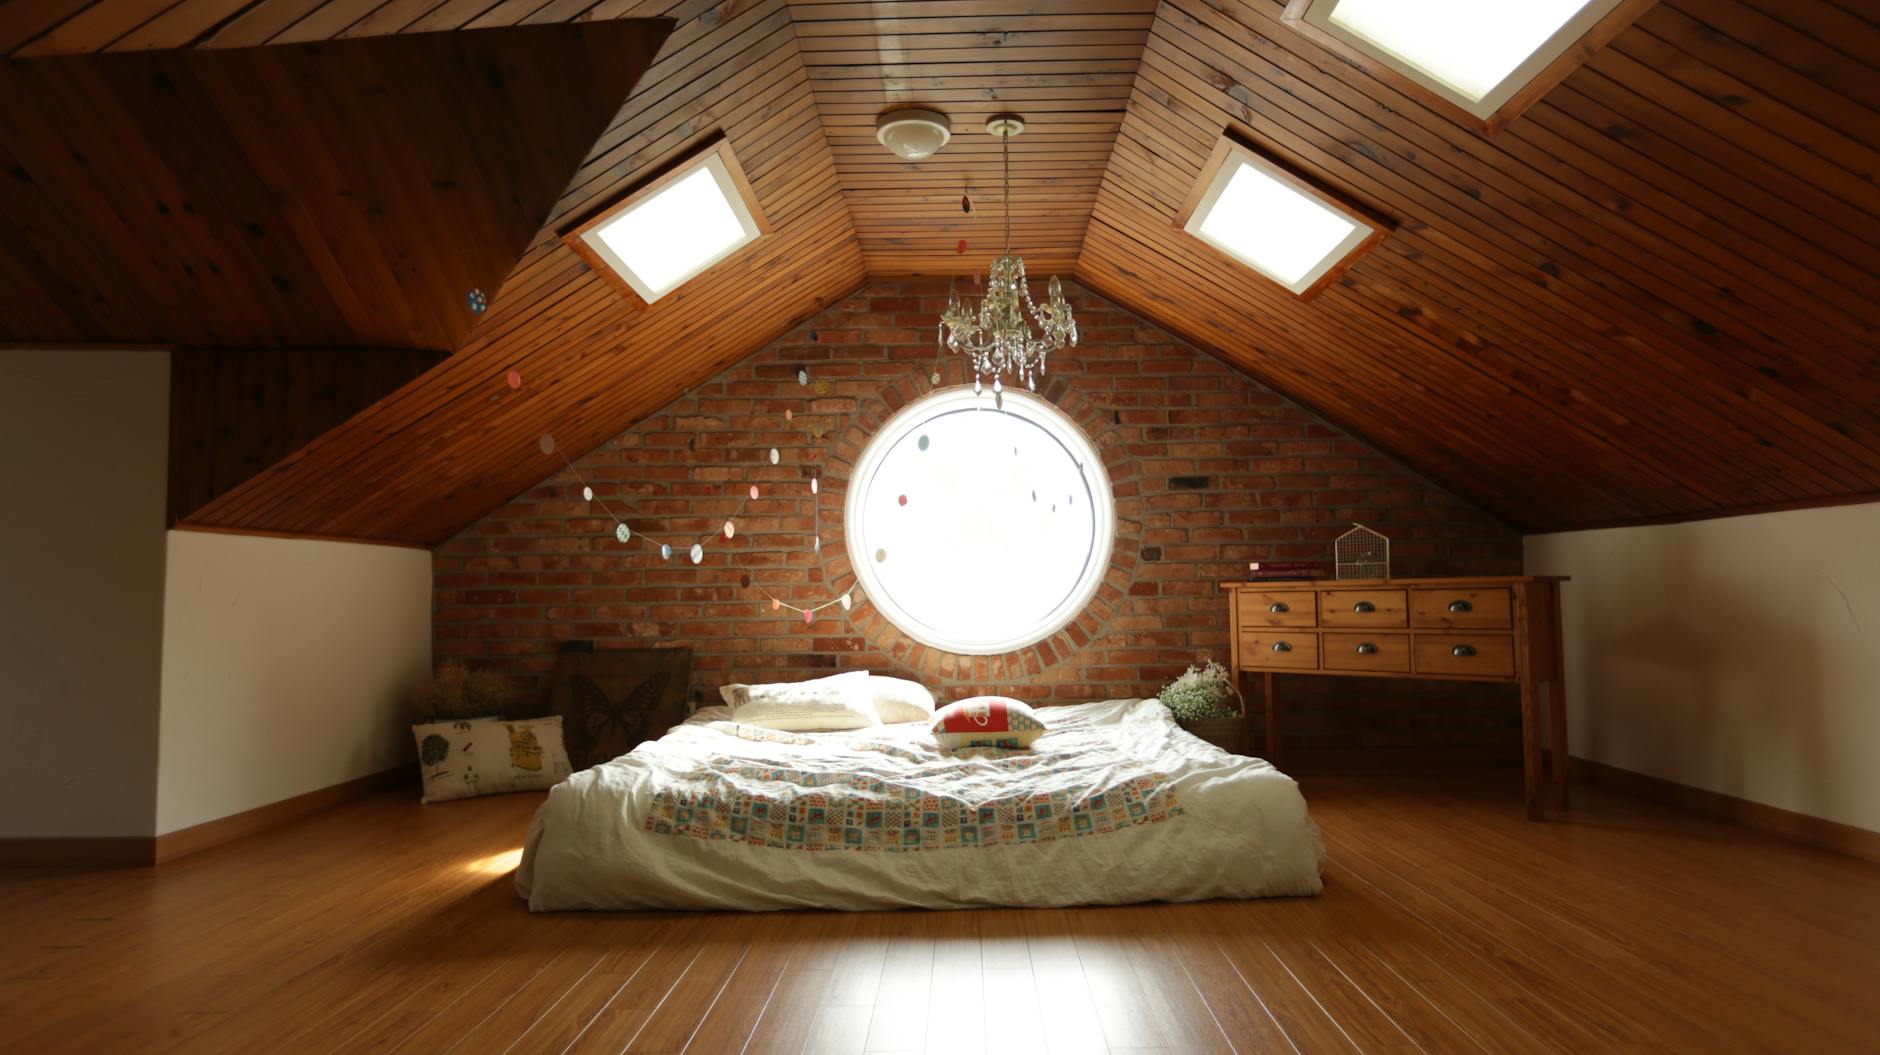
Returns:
(1461,629)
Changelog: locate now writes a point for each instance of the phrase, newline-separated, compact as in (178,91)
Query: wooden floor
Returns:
(1448,924)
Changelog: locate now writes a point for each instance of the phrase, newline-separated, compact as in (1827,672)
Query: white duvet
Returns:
(1114,804)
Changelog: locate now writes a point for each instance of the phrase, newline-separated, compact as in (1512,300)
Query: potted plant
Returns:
(1206,703)
(457,693)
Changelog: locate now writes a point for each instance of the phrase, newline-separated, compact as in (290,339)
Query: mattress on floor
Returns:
(1114,804)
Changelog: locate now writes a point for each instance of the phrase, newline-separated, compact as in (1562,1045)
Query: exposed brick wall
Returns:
(1278,482)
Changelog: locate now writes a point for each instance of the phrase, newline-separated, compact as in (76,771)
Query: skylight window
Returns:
(1272,221)
(1488,59)
(673,228)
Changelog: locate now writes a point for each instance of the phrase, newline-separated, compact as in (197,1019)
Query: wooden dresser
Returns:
(1463,629)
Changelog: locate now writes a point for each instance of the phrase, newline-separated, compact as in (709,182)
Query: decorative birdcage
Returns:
(1361,554)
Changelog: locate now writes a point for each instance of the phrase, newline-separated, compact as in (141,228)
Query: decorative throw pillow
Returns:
(986,721)
(839,701)
(462,759)
(900,700)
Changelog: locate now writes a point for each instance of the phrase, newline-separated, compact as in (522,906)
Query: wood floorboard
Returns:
(1448,924)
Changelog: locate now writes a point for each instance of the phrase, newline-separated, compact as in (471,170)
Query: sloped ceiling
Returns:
(1651,296)
(310,195)
(1067,67)
(429,458)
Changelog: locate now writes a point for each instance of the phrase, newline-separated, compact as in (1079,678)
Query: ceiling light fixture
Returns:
(912,134)
(994,334)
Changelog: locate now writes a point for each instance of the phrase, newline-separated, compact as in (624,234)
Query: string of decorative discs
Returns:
(693,547)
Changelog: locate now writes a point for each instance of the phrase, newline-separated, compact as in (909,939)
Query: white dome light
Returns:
(912,134)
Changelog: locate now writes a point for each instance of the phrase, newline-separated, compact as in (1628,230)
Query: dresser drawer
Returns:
(1362,607)
(1279,650)
(1460,607)
(1384,653)
(1479,655)
(1278,608)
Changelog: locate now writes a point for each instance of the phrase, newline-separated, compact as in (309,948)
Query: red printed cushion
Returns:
(986,721)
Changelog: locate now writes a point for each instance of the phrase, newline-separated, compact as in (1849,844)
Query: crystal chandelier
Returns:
(995,335)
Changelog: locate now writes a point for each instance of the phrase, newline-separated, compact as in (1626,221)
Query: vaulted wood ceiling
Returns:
(1068,68)
(308,195)
(1653,295)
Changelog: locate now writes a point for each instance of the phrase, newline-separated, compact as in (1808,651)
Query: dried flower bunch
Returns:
(456,691)
(1202,692)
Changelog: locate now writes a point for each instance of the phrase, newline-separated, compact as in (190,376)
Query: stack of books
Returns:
(1276,570)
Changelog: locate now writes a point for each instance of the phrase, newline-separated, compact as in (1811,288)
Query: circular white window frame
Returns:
(1048,419)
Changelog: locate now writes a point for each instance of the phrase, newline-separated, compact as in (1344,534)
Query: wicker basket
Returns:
(1228,734)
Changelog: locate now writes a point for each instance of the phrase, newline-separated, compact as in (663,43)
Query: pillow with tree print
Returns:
(460,759)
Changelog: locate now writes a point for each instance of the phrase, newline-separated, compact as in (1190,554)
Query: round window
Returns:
(978,530)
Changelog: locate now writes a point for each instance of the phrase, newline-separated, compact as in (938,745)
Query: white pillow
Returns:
(900,700)
(839,701)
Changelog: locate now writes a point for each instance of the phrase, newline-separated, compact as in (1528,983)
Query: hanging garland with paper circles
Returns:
(692,547)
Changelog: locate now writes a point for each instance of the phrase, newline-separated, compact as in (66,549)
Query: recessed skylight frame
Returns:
(691,216)
(1452,83)
(1295,234)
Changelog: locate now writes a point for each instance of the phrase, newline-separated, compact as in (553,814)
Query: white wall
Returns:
(1741,655)
(283,665)
(83,446)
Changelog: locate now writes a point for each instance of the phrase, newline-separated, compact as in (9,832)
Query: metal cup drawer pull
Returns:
(1461,606)
(1367,649)
(1364,606)
(1279,606)
(1463,650)
(1281,646)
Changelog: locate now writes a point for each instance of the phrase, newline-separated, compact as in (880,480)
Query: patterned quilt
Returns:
(1113,804)
(870,792)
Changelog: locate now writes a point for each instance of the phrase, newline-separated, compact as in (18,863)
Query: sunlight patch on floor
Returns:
(496,864)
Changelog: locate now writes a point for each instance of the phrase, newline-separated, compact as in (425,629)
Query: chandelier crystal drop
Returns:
(995,335)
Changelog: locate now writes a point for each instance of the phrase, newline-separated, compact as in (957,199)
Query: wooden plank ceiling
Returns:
(311,195)
(1652,296)
(235,412)
(1066,66)
(433,456)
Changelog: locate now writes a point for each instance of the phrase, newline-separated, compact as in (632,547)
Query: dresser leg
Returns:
(1272,721)
(1247,746)
(1530,748)
(1557,703)
(1557,729)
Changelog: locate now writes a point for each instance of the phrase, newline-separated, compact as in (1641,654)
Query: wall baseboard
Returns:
(146,850)
(79,852)
(202,836)
(1797,827)
(1370,759)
